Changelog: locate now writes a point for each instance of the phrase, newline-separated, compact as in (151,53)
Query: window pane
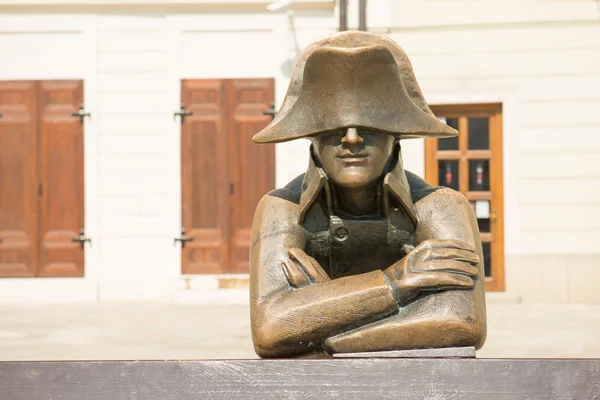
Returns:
(448,173)
(487,258)
(484,224)
(449,143)
(479,133)
(479,175)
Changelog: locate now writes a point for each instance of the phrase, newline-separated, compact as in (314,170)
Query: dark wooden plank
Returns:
(277,379)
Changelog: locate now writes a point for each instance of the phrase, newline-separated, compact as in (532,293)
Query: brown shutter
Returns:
(251,166)
(18,182)
(61,176)
(204,177)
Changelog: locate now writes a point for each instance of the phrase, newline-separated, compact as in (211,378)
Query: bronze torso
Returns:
(346,245)
(408,276)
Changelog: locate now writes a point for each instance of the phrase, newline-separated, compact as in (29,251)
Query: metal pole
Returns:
(343,15)
(362,15)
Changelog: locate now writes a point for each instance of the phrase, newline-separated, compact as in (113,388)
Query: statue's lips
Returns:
(353,156)
(356,159)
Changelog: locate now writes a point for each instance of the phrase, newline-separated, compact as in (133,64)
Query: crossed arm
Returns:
(297,309)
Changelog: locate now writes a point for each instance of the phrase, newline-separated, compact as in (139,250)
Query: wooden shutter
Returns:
(61,177)
(251,166)
(18,179)
(204,177)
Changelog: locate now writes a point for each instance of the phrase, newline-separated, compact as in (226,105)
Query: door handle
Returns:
(81,114)
(182,113)
(183,239)
(81,239)
(493,216)
(271,111)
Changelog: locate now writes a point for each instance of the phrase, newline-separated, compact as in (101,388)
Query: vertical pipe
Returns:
(362,15)
(343,15)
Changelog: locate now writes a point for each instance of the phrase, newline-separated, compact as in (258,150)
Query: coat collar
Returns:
(394,184)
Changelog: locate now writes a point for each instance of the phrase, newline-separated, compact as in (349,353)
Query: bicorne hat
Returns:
(353,79)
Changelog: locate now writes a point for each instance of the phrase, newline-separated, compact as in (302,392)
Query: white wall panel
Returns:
(567,191)
(560,113)
(139,103)
(133,165)
(560,216)
(119,123)
(450,14)
(138,40)
(140,206)
(559,165)
(42,55)
(228,54)
(462,40)
(559,139)
(123,185)
(134,61)
(137,226)
(573,241)
(133,143)
(514,64)
(413,156)
(560,87)
(132,82)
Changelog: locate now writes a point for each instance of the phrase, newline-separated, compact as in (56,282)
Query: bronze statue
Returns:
(357,254)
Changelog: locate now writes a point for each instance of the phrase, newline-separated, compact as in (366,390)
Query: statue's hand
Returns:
(433,265)
(302,270)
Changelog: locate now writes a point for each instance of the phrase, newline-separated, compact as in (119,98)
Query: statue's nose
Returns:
(352,137)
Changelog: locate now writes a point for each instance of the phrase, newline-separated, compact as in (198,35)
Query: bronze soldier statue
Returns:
(357,254)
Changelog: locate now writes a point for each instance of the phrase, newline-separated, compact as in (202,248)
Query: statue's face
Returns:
(353,157)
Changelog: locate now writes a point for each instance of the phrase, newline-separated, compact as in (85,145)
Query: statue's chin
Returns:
(355,178)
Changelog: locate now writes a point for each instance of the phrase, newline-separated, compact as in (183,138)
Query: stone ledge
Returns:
(323,379)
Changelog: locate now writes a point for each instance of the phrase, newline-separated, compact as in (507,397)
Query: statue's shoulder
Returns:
(421,190)
(426,196)
(281,205)
(289,193)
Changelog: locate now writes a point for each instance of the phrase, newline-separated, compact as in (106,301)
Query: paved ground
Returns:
(184,331)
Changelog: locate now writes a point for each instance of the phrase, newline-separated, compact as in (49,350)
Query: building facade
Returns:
(519,79)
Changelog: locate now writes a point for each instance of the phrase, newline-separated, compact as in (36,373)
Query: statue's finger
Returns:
(450,266)
(294,274)
(429,281)
(451,254)
(311,267)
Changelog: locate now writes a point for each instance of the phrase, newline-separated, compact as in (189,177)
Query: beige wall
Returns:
(541,59)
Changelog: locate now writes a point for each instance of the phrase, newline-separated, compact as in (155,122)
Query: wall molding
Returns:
(157,5)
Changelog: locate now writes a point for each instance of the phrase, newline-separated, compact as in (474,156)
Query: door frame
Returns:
(77,288)
(497,282)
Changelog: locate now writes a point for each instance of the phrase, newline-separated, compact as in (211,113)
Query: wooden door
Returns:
(204,182)
(41,179)
(18,179)
(60,178)
(223,173)
(251,166)
(472,165)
